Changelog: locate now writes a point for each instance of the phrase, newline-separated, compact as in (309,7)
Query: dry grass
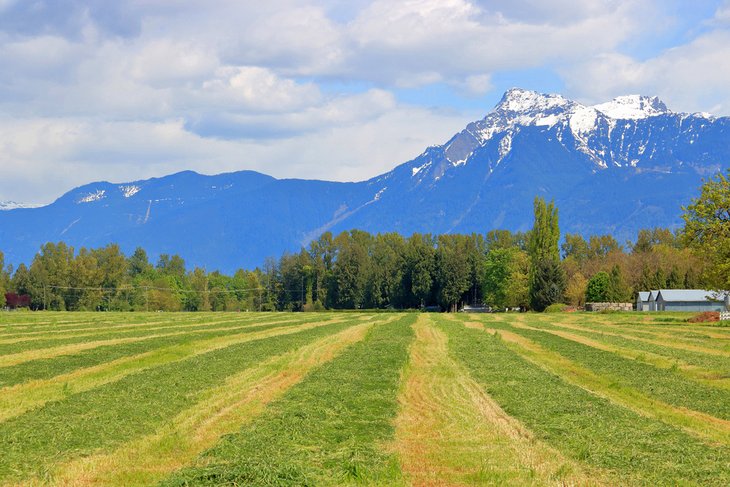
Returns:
(450,432)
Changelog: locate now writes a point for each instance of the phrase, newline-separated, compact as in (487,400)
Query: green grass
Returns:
(328,430)
(51,367)
(666,385)
(586,427)
(120,411)
(612,416)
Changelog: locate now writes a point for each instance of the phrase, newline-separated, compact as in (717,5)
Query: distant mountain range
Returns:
(611,168)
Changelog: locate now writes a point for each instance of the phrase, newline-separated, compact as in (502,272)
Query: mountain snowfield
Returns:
(613,168)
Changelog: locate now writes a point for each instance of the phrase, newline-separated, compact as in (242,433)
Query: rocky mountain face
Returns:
(613,168)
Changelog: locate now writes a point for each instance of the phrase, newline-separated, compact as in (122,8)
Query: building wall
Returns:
(691,306)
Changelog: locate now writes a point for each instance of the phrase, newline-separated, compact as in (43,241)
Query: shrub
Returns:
(556,308)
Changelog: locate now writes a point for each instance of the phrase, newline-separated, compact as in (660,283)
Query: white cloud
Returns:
(54,155)
(124,90)
(693,77)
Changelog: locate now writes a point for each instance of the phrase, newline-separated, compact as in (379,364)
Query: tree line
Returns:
(358,270)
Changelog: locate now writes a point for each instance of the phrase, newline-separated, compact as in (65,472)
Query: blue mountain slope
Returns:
(612,168)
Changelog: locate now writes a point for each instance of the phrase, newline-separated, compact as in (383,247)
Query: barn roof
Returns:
(694,295)
(644,295)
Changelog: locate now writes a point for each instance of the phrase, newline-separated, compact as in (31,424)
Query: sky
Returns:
(340,90)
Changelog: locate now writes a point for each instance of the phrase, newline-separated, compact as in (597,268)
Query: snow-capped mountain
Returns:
(614,168)
(14,205)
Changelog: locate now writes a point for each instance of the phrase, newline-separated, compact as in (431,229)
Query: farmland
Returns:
(363,398)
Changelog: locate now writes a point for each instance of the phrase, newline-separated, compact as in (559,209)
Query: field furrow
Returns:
(47,368)
(450,432)
(17,348)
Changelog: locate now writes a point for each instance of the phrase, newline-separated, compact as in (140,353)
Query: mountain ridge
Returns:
(606,174)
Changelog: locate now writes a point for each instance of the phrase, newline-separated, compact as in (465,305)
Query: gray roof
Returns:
(693,295)
(644,295)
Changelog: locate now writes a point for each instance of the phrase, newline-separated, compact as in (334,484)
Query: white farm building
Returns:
(695,300)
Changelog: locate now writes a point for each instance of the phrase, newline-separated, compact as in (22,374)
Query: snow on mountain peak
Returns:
(91,197)
(521,101)
(633,107)
(13,205)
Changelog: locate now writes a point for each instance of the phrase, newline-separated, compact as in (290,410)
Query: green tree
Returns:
(506,278)
(545,257)
(138,263)
(350,269)
(618,290)
(543,239)
(452,270)
(548,284)
(420,262)
(597,290)
(50,274)
(575,246)
(707,229)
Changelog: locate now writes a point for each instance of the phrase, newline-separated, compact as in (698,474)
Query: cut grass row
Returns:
(19,399)
(713,371)
(102,334)
(666,385)
(584,426)
(19,323)
(67,349)
(449,432)
(102,418)
(45,368)
(714,362)
(328,430)
(708,428)
(219,411)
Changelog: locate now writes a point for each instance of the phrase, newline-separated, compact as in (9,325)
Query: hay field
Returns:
(363,398)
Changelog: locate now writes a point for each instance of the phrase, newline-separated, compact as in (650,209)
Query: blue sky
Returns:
(329,89)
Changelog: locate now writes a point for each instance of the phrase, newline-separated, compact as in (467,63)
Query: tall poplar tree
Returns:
(547,281)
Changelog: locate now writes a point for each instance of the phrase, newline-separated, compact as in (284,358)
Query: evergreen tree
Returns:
(548,284)
(618,291)
(138,263)
(674,279)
